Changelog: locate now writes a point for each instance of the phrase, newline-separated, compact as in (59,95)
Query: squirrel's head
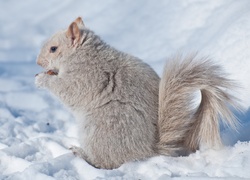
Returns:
(61,45)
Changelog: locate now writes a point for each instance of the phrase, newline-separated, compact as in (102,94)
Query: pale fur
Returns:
(180,127)
(114,98)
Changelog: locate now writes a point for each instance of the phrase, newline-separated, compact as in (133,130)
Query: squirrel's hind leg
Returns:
(79,152)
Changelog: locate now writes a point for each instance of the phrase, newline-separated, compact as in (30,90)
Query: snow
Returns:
(36,130)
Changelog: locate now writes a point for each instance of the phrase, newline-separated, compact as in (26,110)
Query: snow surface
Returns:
(36,130)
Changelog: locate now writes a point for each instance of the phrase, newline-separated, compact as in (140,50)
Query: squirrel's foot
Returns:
(77,151)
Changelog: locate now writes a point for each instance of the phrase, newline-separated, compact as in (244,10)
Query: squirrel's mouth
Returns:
(52,72)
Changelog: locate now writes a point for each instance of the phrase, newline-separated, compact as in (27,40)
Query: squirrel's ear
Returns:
(74,34)
(79,23)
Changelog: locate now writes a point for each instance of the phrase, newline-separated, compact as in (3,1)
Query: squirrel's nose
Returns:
(39,61)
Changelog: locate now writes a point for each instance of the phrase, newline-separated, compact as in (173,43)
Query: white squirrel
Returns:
(124,111)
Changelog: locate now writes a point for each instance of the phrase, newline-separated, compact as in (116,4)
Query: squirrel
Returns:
(123,110)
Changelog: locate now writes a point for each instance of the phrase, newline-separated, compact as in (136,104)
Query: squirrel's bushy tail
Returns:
(180,126)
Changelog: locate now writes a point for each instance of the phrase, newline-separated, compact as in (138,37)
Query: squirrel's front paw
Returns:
(41,80)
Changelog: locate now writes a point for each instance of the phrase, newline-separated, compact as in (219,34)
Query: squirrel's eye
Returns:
(53,49)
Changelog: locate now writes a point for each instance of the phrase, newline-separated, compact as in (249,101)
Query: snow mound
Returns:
(36,130)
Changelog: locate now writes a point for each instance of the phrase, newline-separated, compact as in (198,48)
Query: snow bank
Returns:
(36,130)
(228,162)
